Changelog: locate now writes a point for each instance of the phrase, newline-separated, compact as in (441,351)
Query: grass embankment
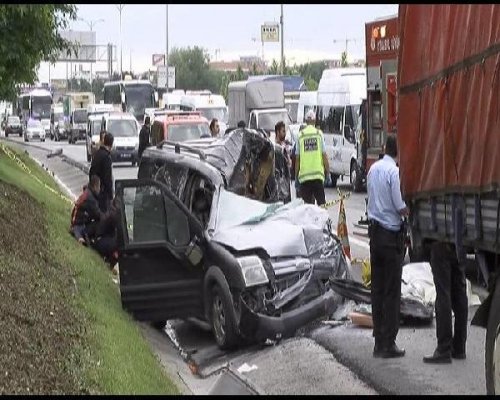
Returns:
(62,326)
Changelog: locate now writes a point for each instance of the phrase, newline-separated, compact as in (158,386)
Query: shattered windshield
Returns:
(230,205)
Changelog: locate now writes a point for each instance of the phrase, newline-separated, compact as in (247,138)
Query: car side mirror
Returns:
(194,253)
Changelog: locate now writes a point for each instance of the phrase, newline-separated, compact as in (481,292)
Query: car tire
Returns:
(334,179)
(20,135)
(6,134)
(26,140)
(134,163)
(222,317)
(492,345)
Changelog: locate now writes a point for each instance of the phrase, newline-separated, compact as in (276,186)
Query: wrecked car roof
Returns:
(251,164)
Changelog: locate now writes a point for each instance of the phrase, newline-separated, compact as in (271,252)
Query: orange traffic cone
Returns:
(342,230)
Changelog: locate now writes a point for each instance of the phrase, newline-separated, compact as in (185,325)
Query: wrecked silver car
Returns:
(192,247)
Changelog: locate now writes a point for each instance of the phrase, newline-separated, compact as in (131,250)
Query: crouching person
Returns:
(86,211)
(105,240)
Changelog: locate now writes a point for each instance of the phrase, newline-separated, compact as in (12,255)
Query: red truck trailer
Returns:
(449,144)
(379,112)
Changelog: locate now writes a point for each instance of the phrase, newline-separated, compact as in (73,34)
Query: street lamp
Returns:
(120,8)
(91,24)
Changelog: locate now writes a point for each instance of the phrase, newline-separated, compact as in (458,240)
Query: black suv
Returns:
(204,234)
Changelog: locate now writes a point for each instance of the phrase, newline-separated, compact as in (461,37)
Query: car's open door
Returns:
(160,253)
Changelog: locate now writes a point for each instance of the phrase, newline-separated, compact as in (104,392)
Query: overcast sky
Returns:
(233,30)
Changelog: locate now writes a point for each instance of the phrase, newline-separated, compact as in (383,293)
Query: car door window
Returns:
(151,216)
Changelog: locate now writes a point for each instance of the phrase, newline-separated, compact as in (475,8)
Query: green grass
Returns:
(112,355)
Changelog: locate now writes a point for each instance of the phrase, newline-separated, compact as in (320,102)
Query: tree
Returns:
(192,68)
(30,35)
(343,60)
(274,68)
(97,89)
(239,73)
(311,84)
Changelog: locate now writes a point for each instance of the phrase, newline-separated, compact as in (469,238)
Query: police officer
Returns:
(311,162)
(385,211)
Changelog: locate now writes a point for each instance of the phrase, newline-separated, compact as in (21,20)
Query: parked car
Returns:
(13,126)
(203,234)
(34,130)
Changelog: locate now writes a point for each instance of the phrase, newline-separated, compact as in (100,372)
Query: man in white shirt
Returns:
(385,211)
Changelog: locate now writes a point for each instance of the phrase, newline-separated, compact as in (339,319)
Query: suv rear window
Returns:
(183,132)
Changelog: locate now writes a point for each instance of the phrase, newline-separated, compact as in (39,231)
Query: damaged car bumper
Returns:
(260,327)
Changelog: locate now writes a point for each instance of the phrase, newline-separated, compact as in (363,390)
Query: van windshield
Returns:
(268,120)
(122,128)
(80,116)
(293,109)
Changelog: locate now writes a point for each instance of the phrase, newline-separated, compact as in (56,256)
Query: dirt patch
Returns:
(40,333)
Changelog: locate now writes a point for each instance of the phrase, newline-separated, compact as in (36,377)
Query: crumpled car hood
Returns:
(281,230)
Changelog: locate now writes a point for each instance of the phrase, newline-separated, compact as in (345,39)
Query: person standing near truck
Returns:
(385,211)
(311,162)
(451,294)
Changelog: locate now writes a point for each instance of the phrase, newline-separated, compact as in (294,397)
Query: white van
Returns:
(172,100)
(210,105)
(340,92)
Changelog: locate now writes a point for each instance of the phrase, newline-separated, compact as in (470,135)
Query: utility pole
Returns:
(166,41)
(282,44)
(120,8)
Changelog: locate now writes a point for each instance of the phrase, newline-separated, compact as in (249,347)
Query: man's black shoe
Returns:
(438,358)
(392,352)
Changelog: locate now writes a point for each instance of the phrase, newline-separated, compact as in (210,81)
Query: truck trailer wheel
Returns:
(492,346)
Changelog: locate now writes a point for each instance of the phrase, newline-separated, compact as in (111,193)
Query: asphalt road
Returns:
(322,359)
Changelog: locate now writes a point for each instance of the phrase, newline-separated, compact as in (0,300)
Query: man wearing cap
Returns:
(311,162)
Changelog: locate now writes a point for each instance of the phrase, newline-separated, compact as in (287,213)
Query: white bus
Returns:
(35,104)
(132,96)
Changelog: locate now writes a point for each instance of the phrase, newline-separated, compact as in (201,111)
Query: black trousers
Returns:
(451,294)
(386,258)
(313,190)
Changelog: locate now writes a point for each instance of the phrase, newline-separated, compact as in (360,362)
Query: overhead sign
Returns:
(163,76)
(158,59)
(270,32)
(84,43)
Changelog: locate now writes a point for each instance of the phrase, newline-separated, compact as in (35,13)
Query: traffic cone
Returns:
(342,230)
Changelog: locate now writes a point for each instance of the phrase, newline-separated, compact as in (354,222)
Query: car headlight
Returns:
(253,271)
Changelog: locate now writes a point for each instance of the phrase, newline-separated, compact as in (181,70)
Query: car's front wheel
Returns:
(222,318)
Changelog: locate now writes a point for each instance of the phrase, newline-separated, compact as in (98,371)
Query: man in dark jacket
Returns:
(105,240)
(86,210)
(102,167)
(144,135)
